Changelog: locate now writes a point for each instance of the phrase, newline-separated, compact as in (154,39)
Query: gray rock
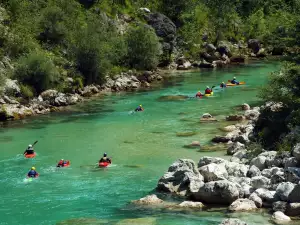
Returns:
(284,190)
(252,115)
(294,194)
(240,180)
(229,128)
(241,154)
(296,151)
(217,192)
(245,107)
(220,139)
(256,199)
(292,174)
(253,171)
(293,209)
(148,200)
(272,171)
(207,160)
(267,197)
(260,182)
(206,116)
(210,48)
(235,118)
(277,178)
(291,162)
(224,48)
(9,100)
(280,217)
(254,44)
(191,205)
(182,178)
(235,147)
(11,88)
(236,169)
(279,206)
(213,172)
(259,162)
(232,222)
(242,204)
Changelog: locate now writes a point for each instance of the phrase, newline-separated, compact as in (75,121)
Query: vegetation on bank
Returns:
(50,40)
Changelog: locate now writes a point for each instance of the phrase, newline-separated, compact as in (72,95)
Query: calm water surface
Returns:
(142,145)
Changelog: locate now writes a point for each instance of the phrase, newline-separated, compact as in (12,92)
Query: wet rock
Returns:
(235,118)
(220,139)
(182,178)
(242,204)
(252,115)
(235,147)
(256,199)
(208,160)
(148,200)
(186,66)
(284,190)
(217,192)
(83,221)
(191,205)
(194,144)
(259,162)
(232,222)
(229,128)
(253,171)
(173,98)
(279,206)
(206,116)
(138,221)
(280,217)
(245,107)
(260,182)
(293,209)
(213,172)
(186,134)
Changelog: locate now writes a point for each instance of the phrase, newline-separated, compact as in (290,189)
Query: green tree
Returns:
(38,71)
(143,47)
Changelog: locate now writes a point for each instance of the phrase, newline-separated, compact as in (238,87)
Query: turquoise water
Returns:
(142,145)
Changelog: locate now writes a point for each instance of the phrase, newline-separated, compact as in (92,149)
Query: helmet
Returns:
(223,82)
(207,86)
(141,106)
(62,159)
(234,77)
(33,168)
(105,154)
(199,91)
(29,146)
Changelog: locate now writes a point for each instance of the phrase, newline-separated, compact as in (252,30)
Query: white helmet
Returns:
(207,86)
(29,146)
(234,77)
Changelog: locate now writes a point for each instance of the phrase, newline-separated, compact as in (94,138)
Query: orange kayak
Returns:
(29,155)
(230,84)
(104,164)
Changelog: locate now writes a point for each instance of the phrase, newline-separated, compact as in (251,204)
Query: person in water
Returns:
(208,90)
(105,159)
(139,108)
(199,94)
(62,163)
(29,150)
(32,173)
(223,85)
(234,81)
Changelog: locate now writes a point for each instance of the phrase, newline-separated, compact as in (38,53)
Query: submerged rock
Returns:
(192,205)
(229,128)
(235,118)
(242,204)
(173,98)
(83,221)
(138,221)
(148,200)
(233,222)
(186,134)
(194,144)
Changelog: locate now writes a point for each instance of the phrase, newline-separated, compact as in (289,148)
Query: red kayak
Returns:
(29,155)
(104,164)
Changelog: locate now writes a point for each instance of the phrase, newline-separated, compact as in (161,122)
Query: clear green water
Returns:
(142,145)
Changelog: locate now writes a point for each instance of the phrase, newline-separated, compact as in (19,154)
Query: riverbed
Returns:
(142,146)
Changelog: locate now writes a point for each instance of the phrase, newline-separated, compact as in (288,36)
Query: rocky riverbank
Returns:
(250,180)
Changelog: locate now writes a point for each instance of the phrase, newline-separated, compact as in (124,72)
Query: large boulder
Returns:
(254,45)
(252,115)
(213,172)
(236,169)
(232,222)
(280,217)
(293,209)
(148,200)
(224,48)
(267,197)
(207,160)
(291,162)
(217,192)
(296,151)
(292,174)
(270,172)
(11,88)
(235,147)
(242,204)
(253,171)
(246,107)
(182,178)
(256,199)
(294,194)
(191,205)
(279,206)
(259,162)
(284,190)
(260,182)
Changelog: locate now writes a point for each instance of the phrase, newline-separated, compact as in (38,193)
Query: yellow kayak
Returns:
(207,95)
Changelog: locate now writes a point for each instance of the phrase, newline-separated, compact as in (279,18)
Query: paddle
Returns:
(34,143)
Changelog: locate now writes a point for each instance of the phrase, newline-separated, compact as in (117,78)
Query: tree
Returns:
(143,47)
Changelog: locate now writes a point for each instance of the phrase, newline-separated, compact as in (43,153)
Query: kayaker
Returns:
(62,163)
(29,150)
(139,108)
(234,81)
(208,90)
(199,94)
(32,172)
(223,85)
(105,159)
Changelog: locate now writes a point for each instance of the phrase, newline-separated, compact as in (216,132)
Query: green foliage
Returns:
(38,71)
(26,91)
(143,47)
(253,150)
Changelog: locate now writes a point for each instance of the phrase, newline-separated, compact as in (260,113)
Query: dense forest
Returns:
(48,41)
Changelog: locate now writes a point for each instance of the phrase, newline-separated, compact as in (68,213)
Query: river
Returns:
(143,145)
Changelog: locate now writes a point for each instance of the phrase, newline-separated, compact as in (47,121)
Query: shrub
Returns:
(36,70)
(143,47)
(26,91)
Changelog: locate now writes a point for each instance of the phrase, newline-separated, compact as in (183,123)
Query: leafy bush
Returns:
(38,71)
(143,47)
(26,91)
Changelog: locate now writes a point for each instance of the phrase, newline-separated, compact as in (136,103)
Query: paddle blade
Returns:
(34,143)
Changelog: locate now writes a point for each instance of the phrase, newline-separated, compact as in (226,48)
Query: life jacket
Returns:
(105,159)
(234,81)
(32,173)
(199,94)
(207,91)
